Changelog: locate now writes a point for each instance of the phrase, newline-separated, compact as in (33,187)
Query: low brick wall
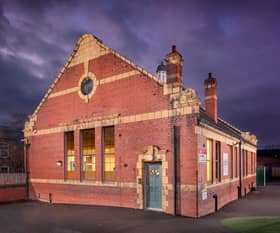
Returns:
(12,193)
(12,187)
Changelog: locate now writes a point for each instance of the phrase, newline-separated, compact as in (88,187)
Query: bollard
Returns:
(239,192)
(50,198)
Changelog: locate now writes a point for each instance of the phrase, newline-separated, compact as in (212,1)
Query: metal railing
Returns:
(12,178)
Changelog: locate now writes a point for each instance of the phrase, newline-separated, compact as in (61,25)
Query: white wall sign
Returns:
(204,195)
(202,155)
(225,164)
(201,158)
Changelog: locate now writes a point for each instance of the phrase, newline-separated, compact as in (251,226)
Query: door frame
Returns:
(145,185)
(151,154)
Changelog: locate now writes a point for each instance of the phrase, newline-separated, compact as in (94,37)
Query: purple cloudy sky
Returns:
(238,41)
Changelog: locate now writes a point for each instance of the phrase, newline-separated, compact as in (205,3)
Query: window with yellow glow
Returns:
(218,161)
(70,155)
(231,159)
(209,152)
(88,154)
(236,161)
(109,153)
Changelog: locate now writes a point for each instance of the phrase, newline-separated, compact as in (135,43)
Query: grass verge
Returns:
(254,224)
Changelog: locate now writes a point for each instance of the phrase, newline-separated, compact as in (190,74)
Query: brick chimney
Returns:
(174,67)
(211,99)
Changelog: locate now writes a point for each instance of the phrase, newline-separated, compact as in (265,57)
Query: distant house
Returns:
(11,150)
(270,158)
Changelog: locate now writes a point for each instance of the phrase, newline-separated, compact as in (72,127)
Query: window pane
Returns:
(218,161)
(209,147)
(70,166)
(88,139)
(236,162)
(70,143)
(109,153)
(70,155)
(88,154)
(231,161)
(89,169)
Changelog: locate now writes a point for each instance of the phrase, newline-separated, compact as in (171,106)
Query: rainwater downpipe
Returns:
(240,171)
(174,134)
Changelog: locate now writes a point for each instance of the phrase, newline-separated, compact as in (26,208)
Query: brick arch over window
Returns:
(151,154)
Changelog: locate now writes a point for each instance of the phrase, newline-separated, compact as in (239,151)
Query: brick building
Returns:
(11,150)
(269,158)
(107,132)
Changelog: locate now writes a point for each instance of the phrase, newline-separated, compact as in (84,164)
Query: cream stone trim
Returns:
(215,134)
(96,83)
(84,183)
(89,48)
(228,180)
(112,120)
(86,66)
(249,148)
(151,154)
(64,92)
(211,97)
(119,76)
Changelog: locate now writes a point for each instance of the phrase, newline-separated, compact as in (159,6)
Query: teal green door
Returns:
(153,185)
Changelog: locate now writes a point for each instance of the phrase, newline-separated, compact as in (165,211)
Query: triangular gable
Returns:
(87,47)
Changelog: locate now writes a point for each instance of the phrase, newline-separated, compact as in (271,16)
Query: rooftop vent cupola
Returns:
(161,72)
(174,67)
(211,99)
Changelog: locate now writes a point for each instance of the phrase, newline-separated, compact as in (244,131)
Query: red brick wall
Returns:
(129,96)
(45,150)
(211,104)
(186,165)
(226,193)
(12,193)
(89,195)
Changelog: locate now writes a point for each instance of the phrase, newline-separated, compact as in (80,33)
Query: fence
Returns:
(12,178)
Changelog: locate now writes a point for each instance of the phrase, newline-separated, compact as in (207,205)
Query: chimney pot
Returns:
(174,67)
(211,104)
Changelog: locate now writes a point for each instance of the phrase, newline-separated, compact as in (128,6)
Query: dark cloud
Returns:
(236,40)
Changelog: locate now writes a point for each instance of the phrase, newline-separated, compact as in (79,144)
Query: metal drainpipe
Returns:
(240,171)
(197,193)
(175,167)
